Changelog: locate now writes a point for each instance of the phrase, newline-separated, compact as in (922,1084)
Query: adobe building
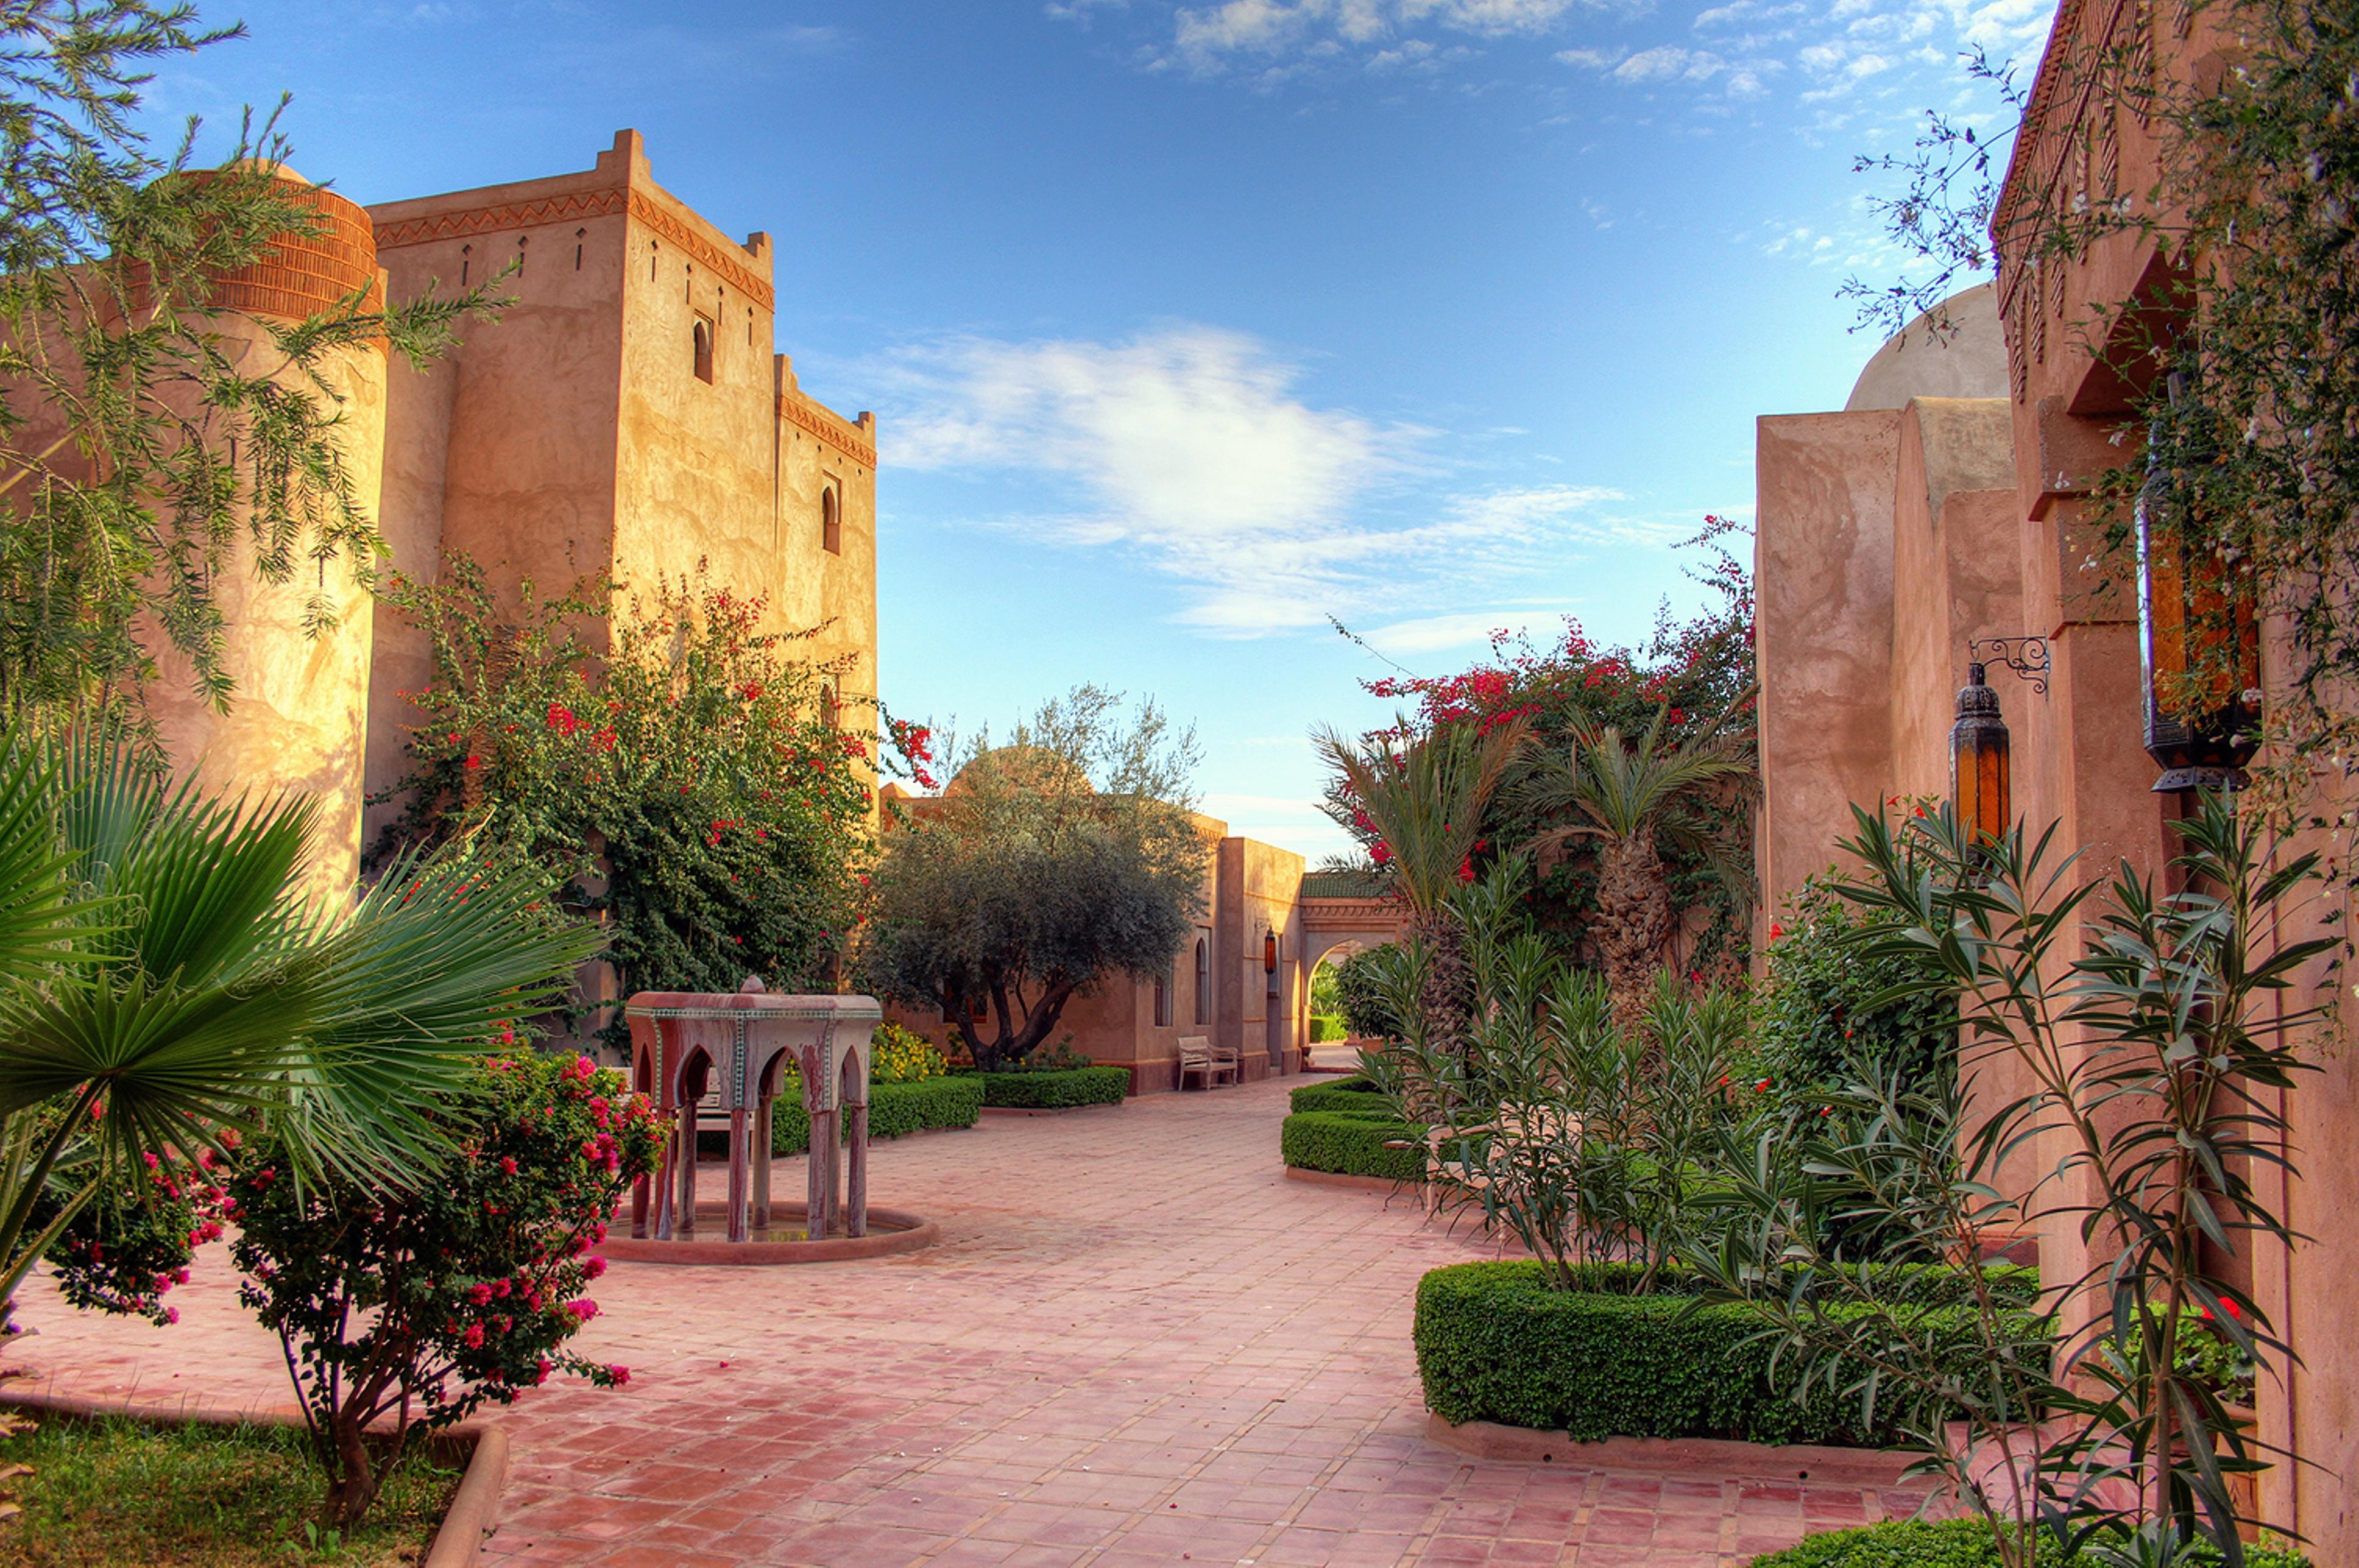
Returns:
(1243,978)
(1944,505)
(625,414)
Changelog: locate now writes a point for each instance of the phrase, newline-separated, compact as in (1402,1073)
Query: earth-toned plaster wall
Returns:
(578,433)
(1824,488)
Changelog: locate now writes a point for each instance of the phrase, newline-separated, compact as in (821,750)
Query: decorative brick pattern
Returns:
(643,208)
(1136,1344)
(838,433)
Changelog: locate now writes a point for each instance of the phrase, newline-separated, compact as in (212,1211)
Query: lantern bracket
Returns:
(2027,656)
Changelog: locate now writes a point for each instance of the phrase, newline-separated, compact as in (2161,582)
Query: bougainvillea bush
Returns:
(124,1250)
(689,786)
(422,1305)
(1690,673)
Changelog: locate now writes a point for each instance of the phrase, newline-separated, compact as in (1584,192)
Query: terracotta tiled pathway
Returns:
(1137,1344)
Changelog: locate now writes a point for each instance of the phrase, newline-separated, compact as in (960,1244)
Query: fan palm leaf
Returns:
(209,995)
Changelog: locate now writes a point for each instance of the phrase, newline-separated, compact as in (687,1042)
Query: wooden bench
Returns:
(1198,1055)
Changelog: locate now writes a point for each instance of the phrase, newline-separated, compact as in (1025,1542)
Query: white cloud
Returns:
(1670,63)
(1434,633)
(1191,449)
(1214,38)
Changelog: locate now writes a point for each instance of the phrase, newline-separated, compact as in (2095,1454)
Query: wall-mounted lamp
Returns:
(1979,781)
(1269,951)
(2199,649)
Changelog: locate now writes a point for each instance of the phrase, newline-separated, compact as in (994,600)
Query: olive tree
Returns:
(1067,856)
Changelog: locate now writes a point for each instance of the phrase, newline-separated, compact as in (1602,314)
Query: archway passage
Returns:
(1337,926)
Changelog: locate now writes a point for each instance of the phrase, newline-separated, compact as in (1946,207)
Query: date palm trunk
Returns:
(1634,917)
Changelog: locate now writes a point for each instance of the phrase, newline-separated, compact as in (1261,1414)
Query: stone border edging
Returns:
(1839,1466)
(911,1233)
(1345,1178)
(458,1539)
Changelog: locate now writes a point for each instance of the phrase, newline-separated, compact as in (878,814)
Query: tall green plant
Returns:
(139,444)
(1581,1140)
(2157,1033)
(1425,802)
(1632,795)
(165,983)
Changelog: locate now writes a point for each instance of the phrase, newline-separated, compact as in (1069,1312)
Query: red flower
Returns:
(473,761)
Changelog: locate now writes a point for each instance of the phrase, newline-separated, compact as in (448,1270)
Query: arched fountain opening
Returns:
(739,1049)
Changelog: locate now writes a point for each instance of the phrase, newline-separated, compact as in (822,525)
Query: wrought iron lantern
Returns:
(1980,785)
(1270,951)
(2198,648)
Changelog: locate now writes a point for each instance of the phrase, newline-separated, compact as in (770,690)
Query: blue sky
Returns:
(1189,326)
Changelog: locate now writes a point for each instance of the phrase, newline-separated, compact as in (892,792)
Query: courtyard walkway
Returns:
(1138,1342)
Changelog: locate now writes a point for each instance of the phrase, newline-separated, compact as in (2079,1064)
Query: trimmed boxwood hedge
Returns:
(1353,1094)
(893,1110)
(1495,1343)
(1057,1089)
(1948,1543)
(1351,1145)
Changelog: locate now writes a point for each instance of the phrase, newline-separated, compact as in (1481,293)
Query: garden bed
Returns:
(1495,1343)
(122,1491)
(1055,1089)
(1353,1093)
(1349,1143)
(1946,1544)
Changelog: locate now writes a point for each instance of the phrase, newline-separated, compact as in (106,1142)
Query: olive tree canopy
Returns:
(1065,856)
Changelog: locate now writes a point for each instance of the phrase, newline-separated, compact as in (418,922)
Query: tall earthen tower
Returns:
(627,414)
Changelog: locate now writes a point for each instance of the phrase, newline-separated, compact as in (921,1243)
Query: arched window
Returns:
(830,522)
(704,350)
(1162,1002)
(1203,983)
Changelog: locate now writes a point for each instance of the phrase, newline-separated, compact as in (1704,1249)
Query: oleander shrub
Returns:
(1056,1089)
(1496,1342)
(895,1110)
(1957,1543)
(1353,1143)
(1355,1094)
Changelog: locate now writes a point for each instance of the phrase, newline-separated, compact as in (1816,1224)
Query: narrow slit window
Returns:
(1203,983)
(579,235)
(830,522)
(466,263)
(704,350)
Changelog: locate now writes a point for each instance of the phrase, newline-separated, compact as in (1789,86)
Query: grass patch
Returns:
(122,1493)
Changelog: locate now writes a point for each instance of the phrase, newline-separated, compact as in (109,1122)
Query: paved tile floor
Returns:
(1138,1342)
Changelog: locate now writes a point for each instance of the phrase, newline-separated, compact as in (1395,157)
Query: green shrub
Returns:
(1356,1094)
(1495,1343)
(1353,1143)
(1824,1001)
(1951,1544)
(1325,1026)
(895,1110)
(1056,1090)
(1358,990)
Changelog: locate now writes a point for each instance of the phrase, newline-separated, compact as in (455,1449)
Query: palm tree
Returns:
(1633,798)
(162,981)
(1427,803)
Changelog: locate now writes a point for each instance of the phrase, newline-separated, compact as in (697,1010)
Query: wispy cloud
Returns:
(1192,449)
(1436,634)
(1267,37)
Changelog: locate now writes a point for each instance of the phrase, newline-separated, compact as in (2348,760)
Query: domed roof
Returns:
(1971,363)
(1022,766)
